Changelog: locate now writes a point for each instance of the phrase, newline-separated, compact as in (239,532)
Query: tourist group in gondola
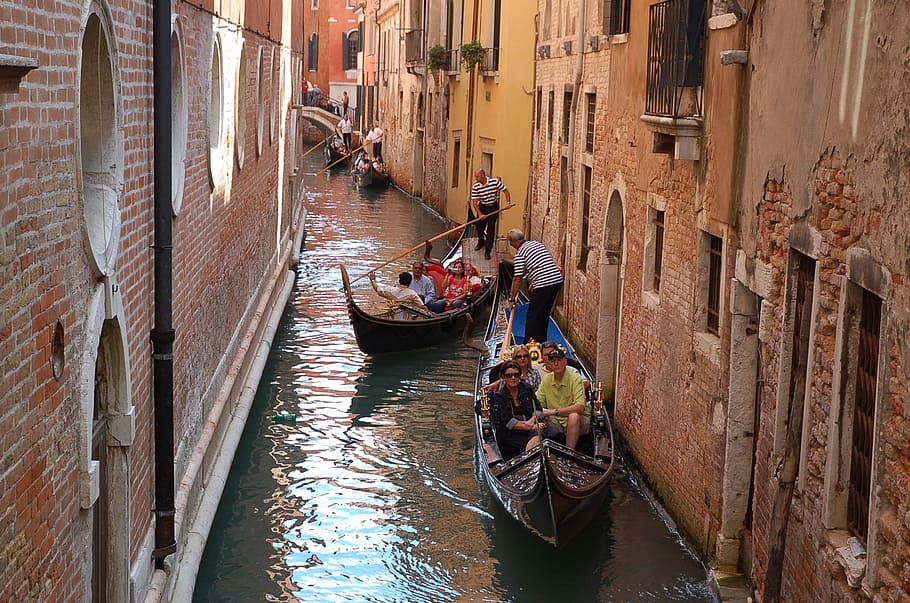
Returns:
(542,431)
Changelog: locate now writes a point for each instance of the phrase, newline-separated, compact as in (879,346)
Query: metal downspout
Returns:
(162,334)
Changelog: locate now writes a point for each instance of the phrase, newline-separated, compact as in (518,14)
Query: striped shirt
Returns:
(487,194)
(534,262)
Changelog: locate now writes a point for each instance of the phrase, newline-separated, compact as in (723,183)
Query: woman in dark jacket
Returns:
(518,410)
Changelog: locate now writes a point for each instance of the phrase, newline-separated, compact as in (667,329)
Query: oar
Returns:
(437,237)
(316,146)
(334,163)
(506,342)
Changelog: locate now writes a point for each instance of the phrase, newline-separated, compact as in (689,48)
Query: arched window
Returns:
(216,108)
(178,122)
(240,109)
(260,99)
(101,146)
(350,48)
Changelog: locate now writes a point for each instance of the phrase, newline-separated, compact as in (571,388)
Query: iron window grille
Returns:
(676,49)
(490,60)
(658,247)
(715,256)
(589,122)
(864,417)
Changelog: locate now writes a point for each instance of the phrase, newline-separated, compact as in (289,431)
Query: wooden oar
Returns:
(316,146)
(334,163)
(506,341)
(437,237)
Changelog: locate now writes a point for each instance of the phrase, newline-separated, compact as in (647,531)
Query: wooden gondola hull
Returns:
(555,492)
(377,335)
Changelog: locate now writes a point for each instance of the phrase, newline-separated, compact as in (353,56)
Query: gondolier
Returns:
(485,201)
(346,127)
(534,262)
(374,136)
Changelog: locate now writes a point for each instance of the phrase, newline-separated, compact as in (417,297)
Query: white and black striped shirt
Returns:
(533,261)
(487,194)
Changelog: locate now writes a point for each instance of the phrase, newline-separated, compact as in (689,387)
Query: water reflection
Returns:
(373,494)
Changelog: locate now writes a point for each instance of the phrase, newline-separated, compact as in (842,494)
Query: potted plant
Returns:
(471,55)
(437,58)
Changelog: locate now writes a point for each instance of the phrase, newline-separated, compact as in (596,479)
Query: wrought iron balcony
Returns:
(454,64)
(490,61)
(413,47)
(676,58)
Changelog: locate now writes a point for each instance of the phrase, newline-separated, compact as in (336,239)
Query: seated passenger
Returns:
(529,374)
(402,294)
(520,418)
(562,396)
(456,290)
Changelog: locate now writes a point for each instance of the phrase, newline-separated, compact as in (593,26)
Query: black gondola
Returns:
(377,330)
(369,176)
(335,151)
(554,491)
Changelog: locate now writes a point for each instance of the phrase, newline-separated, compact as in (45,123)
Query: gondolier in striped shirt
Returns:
(534,262)
(485,200)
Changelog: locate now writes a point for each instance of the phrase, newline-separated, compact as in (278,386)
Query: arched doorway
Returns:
(611,279)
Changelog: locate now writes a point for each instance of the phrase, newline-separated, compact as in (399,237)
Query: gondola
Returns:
(369,177)
(554,491)
(335,150)
(378,331)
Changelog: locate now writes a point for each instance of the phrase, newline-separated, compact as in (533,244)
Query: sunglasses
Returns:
(512,375)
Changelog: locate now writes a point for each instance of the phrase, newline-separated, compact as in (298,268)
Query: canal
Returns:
(373,494)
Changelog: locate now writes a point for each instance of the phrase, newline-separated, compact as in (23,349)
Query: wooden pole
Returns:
(506,341)
(334,163)
(317,146)
(437,237)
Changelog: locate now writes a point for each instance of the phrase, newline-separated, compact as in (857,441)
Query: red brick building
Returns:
(723,183)
(77,466)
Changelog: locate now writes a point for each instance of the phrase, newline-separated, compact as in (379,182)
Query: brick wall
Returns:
(225,246)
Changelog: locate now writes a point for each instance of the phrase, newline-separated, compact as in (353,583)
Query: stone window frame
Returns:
(180,119)
(100,145)
(215,126)
(260,99)
(655,203)
(706,342)
(240,105)
(863,272)
(806,241)
(456,157)
(585,217)
(275,90)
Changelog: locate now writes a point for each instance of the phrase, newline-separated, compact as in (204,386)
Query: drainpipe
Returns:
(162,334)
(469,134)
(576,93)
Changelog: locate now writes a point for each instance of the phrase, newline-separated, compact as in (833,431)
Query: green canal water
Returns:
(374,494)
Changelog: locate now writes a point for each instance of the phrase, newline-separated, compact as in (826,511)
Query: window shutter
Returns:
(345,52)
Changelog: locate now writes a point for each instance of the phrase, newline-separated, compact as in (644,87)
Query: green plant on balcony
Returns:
(437,58)
(471,55)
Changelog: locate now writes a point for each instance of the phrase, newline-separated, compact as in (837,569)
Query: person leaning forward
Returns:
(485,201)
(562,397)
(534,262)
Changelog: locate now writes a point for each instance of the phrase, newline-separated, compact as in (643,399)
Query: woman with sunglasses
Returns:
(529,373)
(520,418)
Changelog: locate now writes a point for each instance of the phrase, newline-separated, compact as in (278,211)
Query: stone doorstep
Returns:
(732,587)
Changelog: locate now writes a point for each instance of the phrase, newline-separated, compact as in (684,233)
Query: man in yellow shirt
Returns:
(562,396)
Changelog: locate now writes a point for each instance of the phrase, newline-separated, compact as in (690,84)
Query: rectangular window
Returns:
(563,182)
(715,257)
(456,158)
(589,122)
(658,224)
(616,16)
(864,416)
(566,116)
(585,220)
(539,109)
(551,112)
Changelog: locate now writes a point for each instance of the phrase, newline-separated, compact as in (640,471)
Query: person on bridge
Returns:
(345,101)
(485,201)
(305,88)
(345,127)
(375,136)
(533,260)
